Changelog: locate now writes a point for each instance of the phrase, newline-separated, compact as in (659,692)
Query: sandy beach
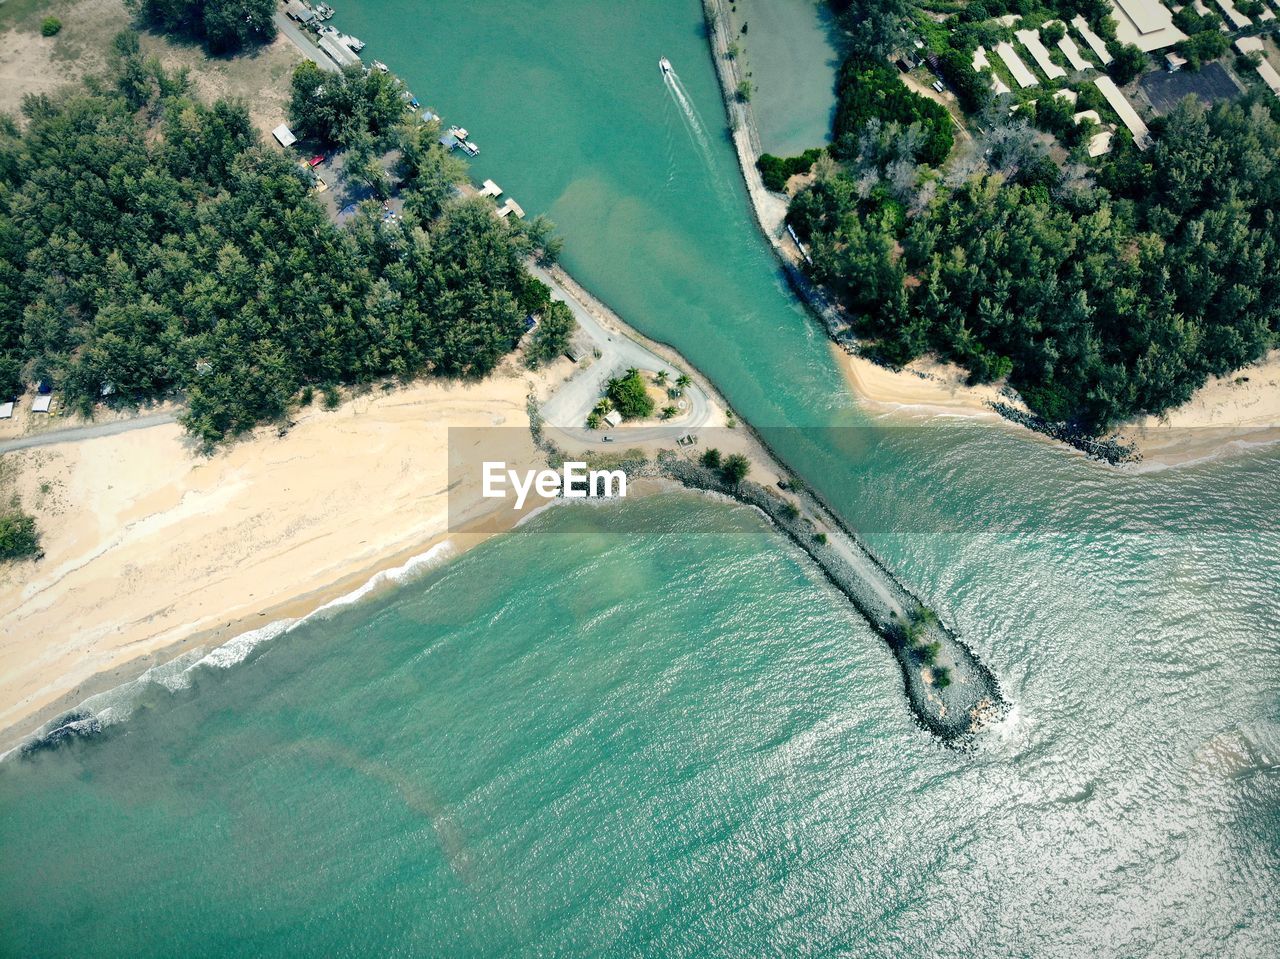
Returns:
(1228,413)
(151,548)
(925,386)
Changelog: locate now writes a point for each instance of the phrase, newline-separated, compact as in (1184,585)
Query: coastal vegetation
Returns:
(342,109)
(775,171)
(629,396)
(551,336)
(224,25)
(151,245)
(1101,289)
(732,469)
(18,536)
(50,27)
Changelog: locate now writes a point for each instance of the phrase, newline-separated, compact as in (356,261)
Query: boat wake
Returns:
(692,120)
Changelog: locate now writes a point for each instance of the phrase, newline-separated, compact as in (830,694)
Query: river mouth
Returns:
(589,744)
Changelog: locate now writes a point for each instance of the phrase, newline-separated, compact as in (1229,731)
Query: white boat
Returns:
(355,43)
(324,11)
(664,65)
(379,66)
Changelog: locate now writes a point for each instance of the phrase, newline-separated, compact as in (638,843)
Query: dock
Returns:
(511,206)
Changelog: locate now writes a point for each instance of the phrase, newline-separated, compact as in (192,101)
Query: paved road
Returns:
(92,431)
(565,411)
(305,46)
(568,408)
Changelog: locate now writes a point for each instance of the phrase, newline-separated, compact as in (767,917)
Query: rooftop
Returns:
(1146,24)
(1096,43)
(1031,40)
(1023,76)
(1124,109)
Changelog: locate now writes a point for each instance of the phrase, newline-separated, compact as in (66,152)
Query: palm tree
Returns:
(683,380)
(661,377)
(668,412)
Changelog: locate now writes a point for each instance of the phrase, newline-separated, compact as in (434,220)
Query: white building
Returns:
(1124,109)
(1266,71)
(1073,54)
(1031,40)
(1021,74)
(1095,42)
(1146,24)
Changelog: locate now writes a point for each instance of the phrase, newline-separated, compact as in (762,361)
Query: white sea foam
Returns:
(118,703)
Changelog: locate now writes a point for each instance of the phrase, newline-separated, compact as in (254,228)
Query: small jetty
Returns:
(511,206)
(489,188)
(456,139)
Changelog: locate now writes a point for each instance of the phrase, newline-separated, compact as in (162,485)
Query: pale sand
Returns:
(151,548)
(1234,412)
(925,386)
(1226,415)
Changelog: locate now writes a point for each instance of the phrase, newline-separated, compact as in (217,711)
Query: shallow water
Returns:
(649,727)
(790,51)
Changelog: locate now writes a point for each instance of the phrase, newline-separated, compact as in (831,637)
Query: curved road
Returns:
(568,408)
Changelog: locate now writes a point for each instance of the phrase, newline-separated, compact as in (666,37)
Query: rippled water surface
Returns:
(584,739)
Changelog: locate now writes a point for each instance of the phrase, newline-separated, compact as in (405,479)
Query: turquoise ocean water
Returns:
(650,728)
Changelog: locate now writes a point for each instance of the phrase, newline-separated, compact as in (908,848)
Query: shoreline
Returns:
(929,386)
(158,551)
(103,660)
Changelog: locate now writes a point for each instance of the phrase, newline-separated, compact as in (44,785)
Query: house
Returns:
(1096,43)
(297,10)
(1100,142)
(1146,24)
(41,403)
(1031,40)
(6,410)
(1021,73)
(980,62)
(284,136)
(1173,63)
(613,418)
(1252,45)
(1238,20)
(1124,109)
(1072,52)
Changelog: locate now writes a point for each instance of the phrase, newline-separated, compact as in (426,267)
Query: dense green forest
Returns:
(150,244)
(1102,292)
(225,25)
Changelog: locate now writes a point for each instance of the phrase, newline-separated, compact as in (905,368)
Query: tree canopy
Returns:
(341,108)
(225,25)
(152,244)
(1100,300)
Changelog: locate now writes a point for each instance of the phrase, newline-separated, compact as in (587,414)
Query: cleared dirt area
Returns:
(30,63)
